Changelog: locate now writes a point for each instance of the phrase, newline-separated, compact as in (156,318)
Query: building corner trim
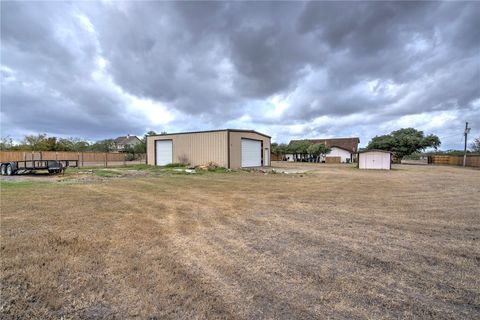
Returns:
(228,148)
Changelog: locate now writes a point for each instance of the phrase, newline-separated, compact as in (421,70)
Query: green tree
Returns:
(279,149)
(72,144)
(42,142)
(103,146)
(140,147)
(317,150)
(274,148)
(475,146)
(50,144)
(80,145)
(299,148)
(282,149)
(35,142)
(6,143)
(404,142)
(431,141)
(135,149)
(64,144)
(130,150)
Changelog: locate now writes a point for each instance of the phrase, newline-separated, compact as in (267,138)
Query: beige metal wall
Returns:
(199,148)
(236,146)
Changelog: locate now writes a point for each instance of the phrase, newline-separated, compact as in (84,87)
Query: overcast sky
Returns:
(289,69)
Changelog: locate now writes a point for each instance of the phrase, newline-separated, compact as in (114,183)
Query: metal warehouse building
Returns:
(229,148)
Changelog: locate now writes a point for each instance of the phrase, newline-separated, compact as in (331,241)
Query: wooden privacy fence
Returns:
(333,159)
(83,158)
(274,157)
(473,160)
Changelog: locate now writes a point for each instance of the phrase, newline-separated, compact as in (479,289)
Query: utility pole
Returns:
(467,130)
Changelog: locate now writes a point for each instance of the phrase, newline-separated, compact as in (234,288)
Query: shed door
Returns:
(374,160)
(164,152)
(251,153)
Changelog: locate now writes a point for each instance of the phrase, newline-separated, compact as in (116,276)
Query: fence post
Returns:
(106,160)
(82,160)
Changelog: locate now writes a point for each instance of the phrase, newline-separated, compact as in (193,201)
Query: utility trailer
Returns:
(28,166)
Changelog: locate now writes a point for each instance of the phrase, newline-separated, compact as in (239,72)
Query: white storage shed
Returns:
(375,159)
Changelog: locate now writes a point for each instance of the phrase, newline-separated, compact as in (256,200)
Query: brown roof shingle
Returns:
(126,140)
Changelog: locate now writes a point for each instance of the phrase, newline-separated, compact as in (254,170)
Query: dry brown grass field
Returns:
(335,242)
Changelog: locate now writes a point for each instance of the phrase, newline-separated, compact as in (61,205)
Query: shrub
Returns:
(130,157)
(175,165)
(184,159)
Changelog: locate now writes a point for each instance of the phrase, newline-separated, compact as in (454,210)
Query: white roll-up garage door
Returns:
(164,152)
(251,153)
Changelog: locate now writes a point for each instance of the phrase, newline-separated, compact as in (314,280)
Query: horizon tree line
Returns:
(402,142)
(43,142)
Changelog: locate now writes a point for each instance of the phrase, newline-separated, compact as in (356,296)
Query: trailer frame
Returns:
(27,166)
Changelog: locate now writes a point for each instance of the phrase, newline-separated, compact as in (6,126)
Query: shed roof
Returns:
(375,150)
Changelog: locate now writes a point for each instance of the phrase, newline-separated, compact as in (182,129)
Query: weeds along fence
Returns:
(473,160)
(85,159)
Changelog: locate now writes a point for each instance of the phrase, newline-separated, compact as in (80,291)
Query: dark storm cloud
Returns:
(337,68)
(49,85)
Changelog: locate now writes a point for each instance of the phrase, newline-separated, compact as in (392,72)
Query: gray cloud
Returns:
(291,69)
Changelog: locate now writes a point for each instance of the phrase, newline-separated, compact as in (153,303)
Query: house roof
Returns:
(126,140)
(193,132)
(348,144)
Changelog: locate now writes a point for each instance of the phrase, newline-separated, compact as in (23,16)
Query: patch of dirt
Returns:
(30,177)
(336,242)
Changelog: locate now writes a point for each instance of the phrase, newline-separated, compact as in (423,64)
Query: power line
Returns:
(453,135)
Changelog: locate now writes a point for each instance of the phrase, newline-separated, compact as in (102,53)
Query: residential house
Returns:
(344,148)
(122,142)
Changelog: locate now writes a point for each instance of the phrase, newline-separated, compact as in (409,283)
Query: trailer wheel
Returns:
(9,170)
(3,169)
